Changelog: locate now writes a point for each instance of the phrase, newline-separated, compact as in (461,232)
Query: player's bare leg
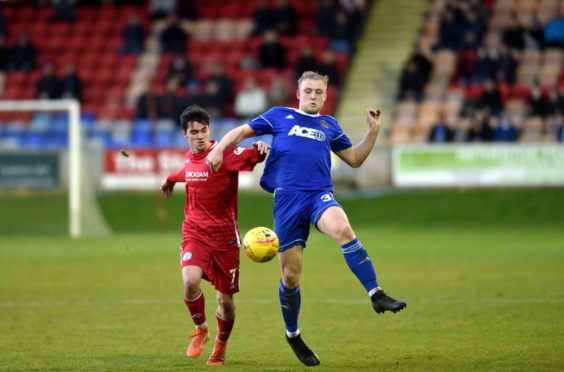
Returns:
(195,301)
(334,223)
(225,319)
(290,299)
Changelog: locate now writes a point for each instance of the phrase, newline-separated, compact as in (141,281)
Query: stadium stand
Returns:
(487,68)
(123,86)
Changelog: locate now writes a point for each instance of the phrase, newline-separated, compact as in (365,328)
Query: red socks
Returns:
(224,328)
(197,308)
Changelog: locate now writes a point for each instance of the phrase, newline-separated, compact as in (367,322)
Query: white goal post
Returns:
(72,107)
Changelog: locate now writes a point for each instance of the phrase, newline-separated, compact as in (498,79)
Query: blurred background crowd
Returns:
(480,70)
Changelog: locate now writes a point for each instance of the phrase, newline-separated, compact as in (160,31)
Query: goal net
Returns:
(85,217)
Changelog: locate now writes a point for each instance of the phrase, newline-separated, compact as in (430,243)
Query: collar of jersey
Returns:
(204,153)
(305,113)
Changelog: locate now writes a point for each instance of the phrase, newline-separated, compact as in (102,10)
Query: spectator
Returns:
(552,102)
(538,104)
(480,9)
(480,130)
(341,35)
(560,101)
(279,91)
(48,86)
(466,60)
(423,62)
(328,67)
(223,81)
(3,29)
(505,131)
(162,8)
(560,132)
(168,104)
(63,10)
(512,35)
(285,17)
(250,101)
(271,52)
(4,53)
(554,32)
(22,55)
(146,106)
(192,96)
(306,62)
(491,98)
(180,69)
(412,80)
(173,37)
(326,18)
(533,34)
(449,31)
(474,25)
(133,35)
(485,65)
(506,66)
(263,17)
(355,11)
(71,86)
(441,131)
(212,100)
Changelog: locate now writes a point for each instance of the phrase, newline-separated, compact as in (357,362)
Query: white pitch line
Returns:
(335,301)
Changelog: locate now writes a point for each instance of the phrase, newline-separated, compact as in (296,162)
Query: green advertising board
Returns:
(29,170)
(478,165)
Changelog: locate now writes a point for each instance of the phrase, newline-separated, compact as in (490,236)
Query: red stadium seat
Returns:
(520,91)
(504,91)
(474,92)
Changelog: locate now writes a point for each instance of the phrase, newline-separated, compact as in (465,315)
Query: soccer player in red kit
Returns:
(210,246)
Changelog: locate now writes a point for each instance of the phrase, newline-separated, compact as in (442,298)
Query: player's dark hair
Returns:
(194,113)
(311,75)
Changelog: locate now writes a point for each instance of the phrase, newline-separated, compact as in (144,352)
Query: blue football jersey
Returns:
(300,157)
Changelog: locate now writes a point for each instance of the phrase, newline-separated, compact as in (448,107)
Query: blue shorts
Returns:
(294,210)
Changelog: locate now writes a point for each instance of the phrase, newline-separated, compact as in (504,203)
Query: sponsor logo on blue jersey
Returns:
(307,132)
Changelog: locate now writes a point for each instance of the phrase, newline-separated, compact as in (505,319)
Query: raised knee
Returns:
(345,233)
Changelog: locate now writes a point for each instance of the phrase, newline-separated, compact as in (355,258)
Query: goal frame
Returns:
(72,108)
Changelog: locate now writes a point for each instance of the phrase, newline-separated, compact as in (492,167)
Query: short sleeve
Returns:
(340,142)
(177,177)
(241,159)
(263,124)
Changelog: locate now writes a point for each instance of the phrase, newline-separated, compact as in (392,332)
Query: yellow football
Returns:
(260,244)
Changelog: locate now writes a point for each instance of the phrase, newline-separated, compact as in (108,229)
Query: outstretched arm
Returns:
(356,155)
(233,137)
(167,185)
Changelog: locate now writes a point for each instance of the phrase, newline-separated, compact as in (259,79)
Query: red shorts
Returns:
(220,267)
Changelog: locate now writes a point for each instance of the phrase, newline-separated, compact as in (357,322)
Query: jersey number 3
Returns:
(326,197)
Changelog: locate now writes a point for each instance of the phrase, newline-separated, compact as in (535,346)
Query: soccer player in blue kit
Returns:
(297,171)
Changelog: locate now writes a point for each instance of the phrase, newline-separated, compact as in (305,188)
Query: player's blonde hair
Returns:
(312,75)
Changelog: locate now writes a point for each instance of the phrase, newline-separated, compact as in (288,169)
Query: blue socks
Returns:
(359,262)
(290,301)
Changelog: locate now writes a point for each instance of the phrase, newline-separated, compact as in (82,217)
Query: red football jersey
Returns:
(210,212)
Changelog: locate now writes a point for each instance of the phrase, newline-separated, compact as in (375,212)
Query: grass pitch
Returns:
(482,296)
